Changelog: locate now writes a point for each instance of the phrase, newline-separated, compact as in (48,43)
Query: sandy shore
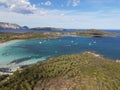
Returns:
(9,42)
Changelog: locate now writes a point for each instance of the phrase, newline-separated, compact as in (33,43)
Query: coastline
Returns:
(6,66)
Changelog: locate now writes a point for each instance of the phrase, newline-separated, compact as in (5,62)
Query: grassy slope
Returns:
(73,72)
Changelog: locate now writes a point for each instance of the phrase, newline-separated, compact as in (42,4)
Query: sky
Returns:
(74,14)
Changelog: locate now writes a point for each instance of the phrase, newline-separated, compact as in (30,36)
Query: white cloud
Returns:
(48,3)
(73,3)
(60,18)
(65,19)
(19,6)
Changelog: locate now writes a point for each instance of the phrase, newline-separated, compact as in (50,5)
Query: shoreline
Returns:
(2,44)
(6,66)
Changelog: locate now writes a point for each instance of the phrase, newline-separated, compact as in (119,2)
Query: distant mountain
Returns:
(5,25)
(46,28)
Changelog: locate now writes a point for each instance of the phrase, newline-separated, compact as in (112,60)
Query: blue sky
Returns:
(99,14)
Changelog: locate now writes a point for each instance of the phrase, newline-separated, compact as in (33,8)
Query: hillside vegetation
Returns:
(15,36)
(85,71)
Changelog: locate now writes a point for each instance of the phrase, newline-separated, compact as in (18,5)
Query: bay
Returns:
(31,51)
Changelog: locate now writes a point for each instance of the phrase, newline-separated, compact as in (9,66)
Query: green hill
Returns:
(86,71)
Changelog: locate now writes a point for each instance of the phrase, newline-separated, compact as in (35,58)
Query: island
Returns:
(95,33)
(47,28)
(86,71)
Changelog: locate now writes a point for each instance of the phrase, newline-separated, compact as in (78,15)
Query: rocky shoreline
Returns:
(10,71)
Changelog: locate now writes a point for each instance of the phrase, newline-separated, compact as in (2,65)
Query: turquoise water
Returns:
(32,51)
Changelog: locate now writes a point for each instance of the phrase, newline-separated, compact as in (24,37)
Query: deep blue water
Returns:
(32,51)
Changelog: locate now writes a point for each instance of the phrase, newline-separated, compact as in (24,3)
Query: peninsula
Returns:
(4,37)
(75,72)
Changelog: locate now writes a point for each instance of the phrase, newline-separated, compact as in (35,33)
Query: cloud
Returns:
(65,19)
(48,3)
(73,3)
(58,18)
(19,6)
